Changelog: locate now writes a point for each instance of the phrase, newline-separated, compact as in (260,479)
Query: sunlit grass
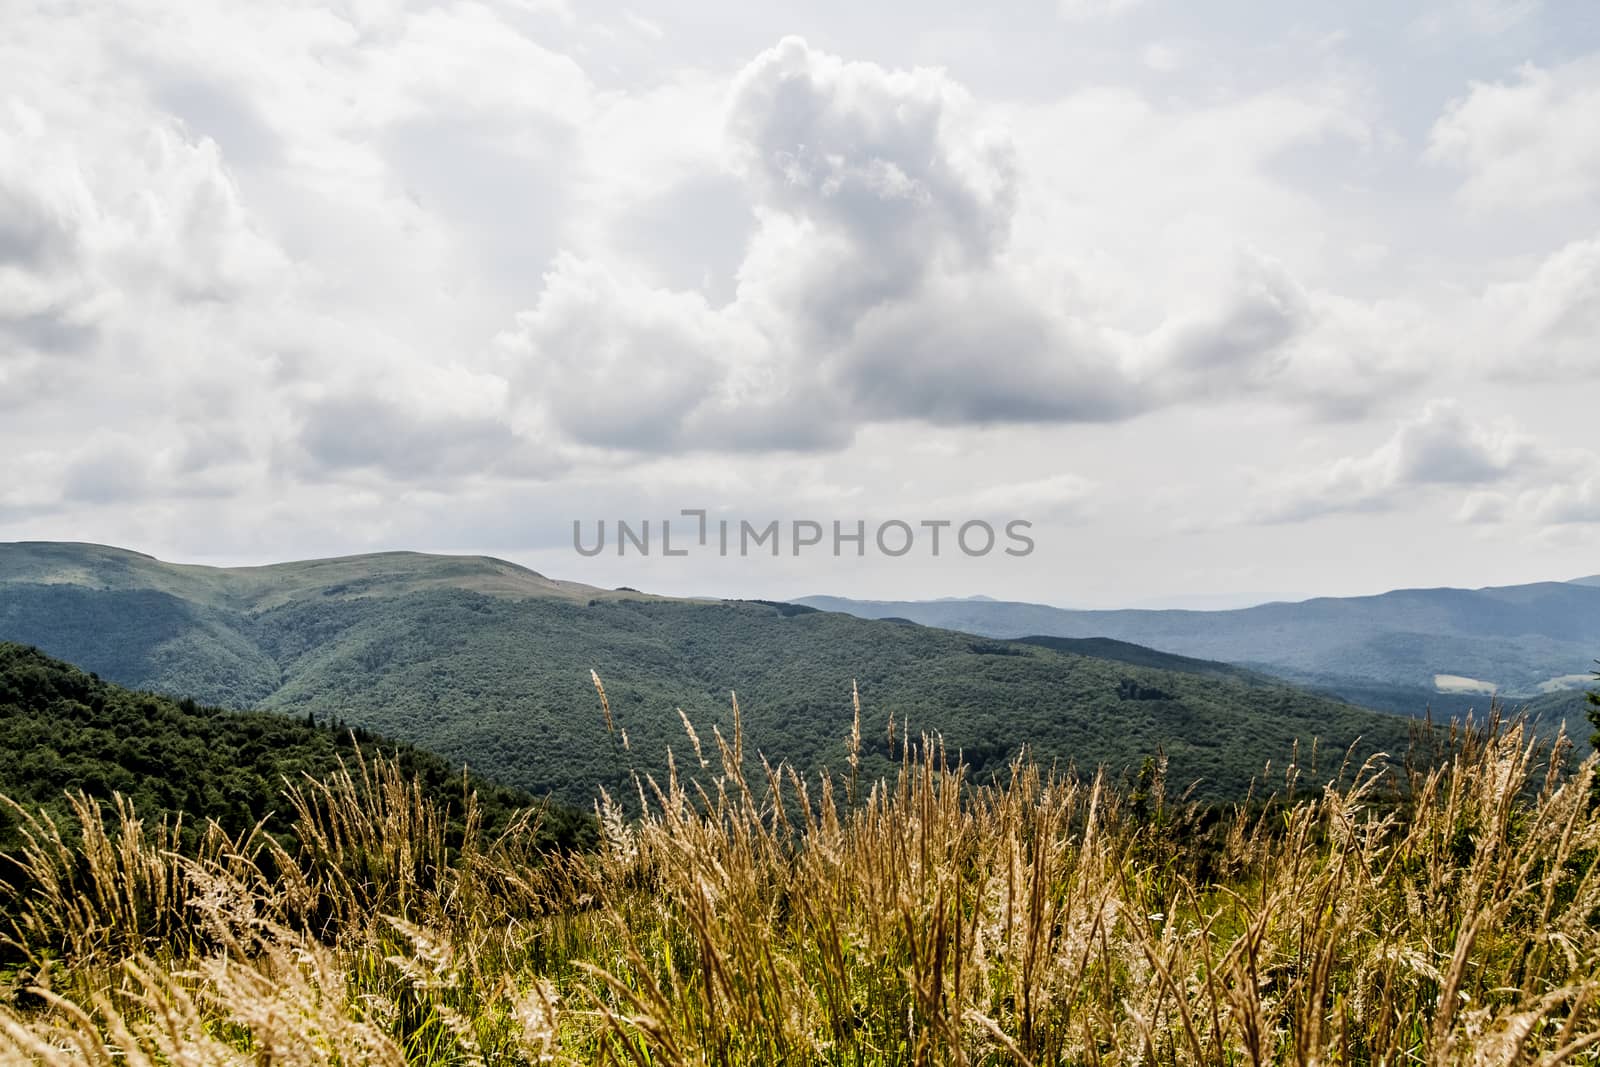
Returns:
(1437,912)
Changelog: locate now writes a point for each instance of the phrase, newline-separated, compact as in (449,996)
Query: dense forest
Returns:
(504,685)
(66,731)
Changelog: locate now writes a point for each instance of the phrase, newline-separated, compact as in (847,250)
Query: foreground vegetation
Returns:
(1436,911)
(64,732)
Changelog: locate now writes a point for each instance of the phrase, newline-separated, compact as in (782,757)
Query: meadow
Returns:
(1437,906)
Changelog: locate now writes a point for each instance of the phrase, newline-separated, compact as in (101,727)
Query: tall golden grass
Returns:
(1437,912)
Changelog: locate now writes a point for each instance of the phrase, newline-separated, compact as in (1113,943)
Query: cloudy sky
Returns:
(1228,299)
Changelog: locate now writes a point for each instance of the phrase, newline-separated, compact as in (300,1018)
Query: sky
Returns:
(1227,301)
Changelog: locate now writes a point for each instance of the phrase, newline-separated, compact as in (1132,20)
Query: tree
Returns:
(1594,711)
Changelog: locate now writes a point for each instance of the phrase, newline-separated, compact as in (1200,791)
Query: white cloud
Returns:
(1568,495)
(1576,502)
(895,273)
(874,287)
(81,235)
(1443,446)
(616,364)
(1529,142)
(1547,324)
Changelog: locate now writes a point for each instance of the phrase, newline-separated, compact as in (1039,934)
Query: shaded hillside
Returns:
(503,682)
(64,730)
(1127,652)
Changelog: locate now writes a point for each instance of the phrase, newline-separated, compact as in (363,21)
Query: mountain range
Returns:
(1402,651)
(488,663)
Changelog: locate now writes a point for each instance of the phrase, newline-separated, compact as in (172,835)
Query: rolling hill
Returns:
(1400,651)
(488,663)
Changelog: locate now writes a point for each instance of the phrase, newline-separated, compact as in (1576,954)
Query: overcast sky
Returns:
(1227,299)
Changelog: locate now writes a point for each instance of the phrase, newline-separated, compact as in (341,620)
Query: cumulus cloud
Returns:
(49,303)
(1445,445)
(1527,142)
(874,286)
(884,281)
(1547,324)
(613,363)
(1254,315)
(1575,502)
(211,226)
(1572,501)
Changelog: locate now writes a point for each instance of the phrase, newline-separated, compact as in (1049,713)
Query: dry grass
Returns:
(1446,914)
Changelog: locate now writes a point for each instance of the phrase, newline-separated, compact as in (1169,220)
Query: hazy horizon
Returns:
(603,574)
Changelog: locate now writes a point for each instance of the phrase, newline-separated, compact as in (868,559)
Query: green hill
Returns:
(64,730)
(488,663)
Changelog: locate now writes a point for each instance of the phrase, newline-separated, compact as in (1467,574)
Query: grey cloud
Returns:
(1577,502)
(884,170)
(348,433)
(876,287)
(880,284)
(981,354)
(906,203)
(42,241)
(871,152)
(1445,446)
(109,474)
(33,234)
(892,181)
(1246,337)
(807,419)
(56,332)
